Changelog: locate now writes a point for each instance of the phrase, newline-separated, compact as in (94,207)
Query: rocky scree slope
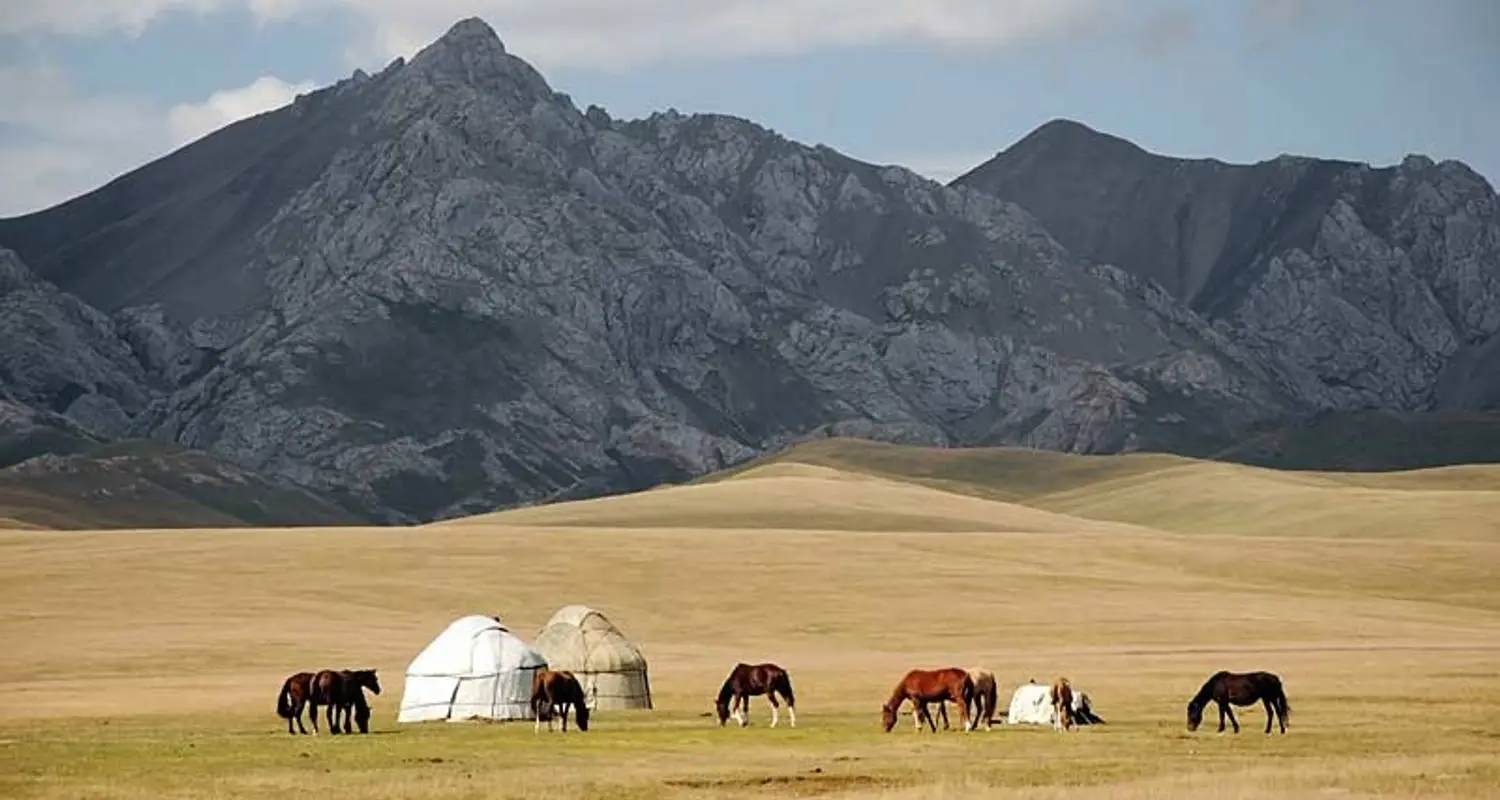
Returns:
(1358,288)
(443,289)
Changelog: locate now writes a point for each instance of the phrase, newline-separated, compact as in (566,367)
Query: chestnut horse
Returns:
(336,689)
(1061,695)
(1230,688)
(986,695)
(923,686)
(291,699)
(748,680)
(552,692)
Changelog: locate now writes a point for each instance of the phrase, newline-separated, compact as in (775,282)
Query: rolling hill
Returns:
(1165,492)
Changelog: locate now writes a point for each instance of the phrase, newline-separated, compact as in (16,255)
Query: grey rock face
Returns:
(61,355)
(461,293)
(1357,288)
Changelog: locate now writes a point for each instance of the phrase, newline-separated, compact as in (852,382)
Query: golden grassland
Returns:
(146,663)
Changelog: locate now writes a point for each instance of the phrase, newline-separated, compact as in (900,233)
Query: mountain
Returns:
(444,289)
(1358,287)
(142,484)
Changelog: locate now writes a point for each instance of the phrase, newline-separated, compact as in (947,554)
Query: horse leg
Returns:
(744,710)
(1270,712)
(297,713)
(943,712)
(348,711)
(1232,720)
(333,725)
(1222,706)
(791,710)
(312,715)
(775,708)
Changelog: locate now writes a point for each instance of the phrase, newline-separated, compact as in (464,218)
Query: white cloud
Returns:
(57,143)
(93,17)
(192,121)
(616,33)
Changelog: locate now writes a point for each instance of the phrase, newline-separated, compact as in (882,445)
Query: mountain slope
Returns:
(1358,287)
(471,295)
(138,484)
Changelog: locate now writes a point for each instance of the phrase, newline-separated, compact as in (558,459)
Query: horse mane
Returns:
(1207,689)
(727,689)
(897,695)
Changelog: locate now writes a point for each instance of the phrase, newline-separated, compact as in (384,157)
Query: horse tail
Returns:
(1281,702)
(284,700)
(784,685)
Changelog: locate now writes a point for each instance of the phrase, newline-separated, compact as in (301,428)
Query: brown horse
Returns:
(1240,689)
(294,694)
(1062,704)
(749,680)
(336,689)
(923,686)
(986,695)
(552,692)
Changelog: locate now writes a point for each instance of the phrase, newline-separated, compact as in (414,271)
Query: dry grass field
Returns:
(146,664)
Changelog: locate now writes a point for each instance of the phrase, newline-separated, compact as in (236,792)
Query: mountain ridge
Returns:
(464,294)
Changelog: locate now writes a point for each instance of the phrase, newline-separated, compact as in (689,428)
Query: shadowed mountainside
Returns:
(443,289)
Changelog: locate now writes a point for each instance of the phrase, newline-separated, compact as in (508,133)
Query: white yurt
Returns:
(609,666)
(475,669)
(1031,704)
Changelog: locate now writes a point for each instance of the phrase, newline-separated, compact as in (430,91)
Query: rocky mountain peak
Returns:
(471,54)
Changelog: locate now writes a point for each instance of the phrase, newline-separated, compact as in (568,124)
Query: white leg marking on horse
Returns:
(793,713)
(775,716)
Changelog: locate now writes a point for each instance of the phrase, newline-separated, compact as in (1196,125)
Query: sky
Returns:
(90,89)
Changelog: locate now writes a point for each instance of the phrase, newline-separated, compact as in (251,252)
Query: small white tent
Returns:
(475,669)
(1031,704)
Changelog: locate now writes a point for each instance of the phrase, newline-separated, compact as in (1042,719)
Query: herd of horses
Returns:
(556,693)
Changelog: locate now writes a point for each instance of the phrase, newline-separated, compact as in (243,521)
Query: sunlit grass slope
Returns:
(793,496)
(1179,494)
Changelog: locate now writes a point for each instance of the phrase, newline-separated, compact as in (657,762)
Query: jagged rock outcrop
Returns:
(59,354)
(443,289)
(1358,287)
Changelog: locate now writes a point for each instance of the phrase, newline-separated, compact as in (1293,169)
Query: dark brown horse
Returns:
(552,692)
(294,694)
(749,680)
(923,686)
(337,691)
(1235,689)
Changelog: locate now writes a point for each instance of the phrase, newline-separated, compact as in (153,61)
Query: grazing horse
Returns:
(986,695)
(1236,689)
(748,680)
(336,689)
(552,692)
(294,694)
(1061,695)
(923,686)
